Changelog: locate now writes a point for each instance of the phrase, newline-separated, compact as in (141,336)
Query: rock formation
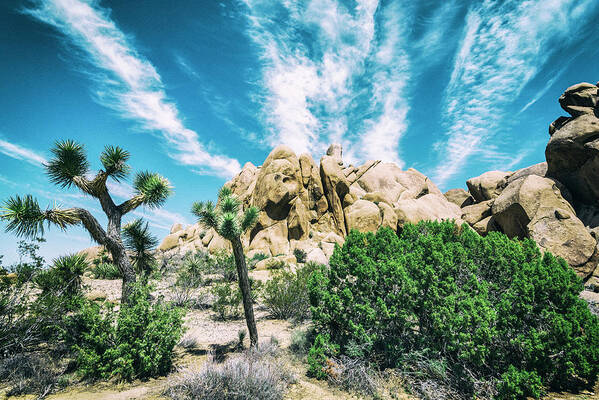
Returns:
(312,207)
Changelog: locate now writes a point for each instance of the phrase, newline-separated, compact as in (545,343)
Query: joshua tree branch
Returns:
(131,204)
(92,225)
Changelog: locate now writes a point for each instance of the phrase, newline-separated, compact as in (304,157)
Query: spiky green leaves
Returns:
(138,239)
(229,204)
(137,236)
(228,225)
(250,217)
(114,159)
(68,164)
(206,213)
(24,216)
(225,218)
(224,191)
(151,188)
(26,219)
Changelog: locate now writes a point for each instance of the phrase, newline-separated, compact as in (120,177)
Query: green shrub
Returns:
(64,277)
(227,302)
(224,264)
(228,298)
(479,304)
(276,264)
(30,263)
(136,342)
(285,295)
(102,257)
(193,268)
(300,255)
(106,270)
(319,356)
(301,341)
(256,258)
(517,384)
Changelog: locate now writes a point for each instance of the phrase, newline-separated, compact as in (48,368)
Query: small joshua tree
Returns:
(228,221)
(69,167)
(139,240)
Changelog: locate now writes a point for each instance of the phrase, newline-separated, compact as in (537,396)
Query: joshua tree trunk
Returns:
(121,260)
(111,239)
(244,286)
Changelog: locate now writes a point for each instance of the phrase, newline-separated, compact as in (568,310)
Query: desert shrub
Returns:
(32,312)
(101,257)
(276,264)
(300,255)
(519,384)
(256,258)
(227,298)
(254,374)
(64,277)
(188,296)
(224,265)
(353,375)
(106,270)
(30,373)
(31,326)
(301,341)
(227,301)
(15,320)
(285,295)
(136,342)
(192,270)
(489,308)
(29,261)
(188,342)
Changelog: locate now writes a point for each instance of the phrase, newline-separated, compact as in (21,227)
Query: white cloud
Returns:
(122,190)
(327,62)
(7,181)
(134,88)
(21,153)
(160,218)
(505,45)
(381,138)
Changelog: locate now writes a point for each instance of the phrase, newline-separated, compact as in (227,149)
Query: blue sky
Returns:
(194,89)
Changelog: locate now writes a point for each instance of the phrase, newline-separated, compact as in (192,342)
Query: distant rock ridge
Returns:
(312,207)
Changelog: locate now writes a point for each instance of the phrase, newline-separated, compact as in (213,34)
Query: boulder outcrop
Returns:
(312,207)
(573,149)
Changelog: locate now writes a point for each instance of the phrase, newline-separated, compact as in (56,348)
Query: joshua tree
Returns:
(140,242)
(69,167)
(228,221)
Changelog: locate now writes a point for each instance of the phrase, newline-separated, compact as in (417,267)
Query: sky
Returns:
(194,89)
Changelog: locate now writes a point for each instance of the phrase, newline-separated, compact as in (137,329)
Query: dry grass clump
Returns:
(31,373)
(253,374)
(188,342)
(354,375)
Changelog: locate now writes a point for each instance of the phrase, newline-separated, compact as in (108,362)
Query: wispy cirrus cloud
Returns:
(160,218)
(21,153)
(225,109)
(132,85)
(504,46)
(332,72)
